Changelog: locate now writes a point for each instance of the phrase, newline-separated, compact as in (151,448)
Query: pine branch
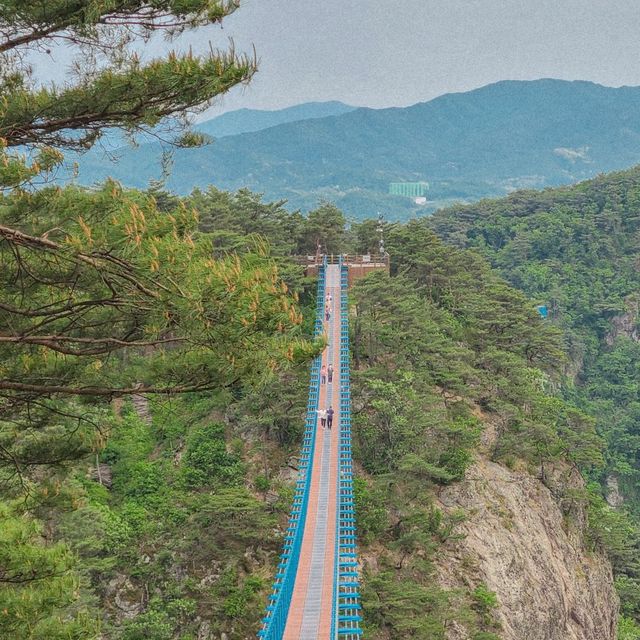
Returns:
(111,392)
(27,22)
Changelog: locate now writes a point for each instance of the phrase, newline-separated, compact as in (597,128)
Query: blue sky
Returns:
(378,53)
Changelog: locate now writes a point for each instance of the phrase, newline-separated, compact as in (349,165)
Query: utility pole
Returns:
(380,230)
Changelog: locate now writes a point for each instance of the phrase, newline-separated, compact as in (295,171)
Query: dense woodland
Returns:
(173,520)
(575,249)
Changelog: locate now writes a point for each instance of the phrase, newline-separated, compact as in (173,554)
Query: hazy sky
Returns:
(379,53)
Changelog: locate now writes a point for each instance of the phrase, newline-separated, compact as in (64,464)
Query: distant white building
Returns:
(417,191)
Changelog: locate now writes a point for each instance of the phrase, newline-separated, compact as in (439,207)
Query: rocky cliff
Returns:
(517,541)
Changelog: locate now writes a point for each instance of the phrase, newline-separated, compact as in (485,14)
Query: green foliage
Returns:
(628,629)
(39,597)
(235,604)
(108,292)
(406,609)
(150,625)
(262,483)
(236,220)
(152,532)
(450,327)
(610,530)
(575,250)
(628,589)
(484,601)
(207,460)
(440,346)
(126,92)
(373,518)
(324,225)
(96,532)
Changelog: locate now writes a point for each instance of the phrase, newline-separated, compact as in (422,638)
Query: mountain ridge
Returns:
(486,142)
(247,120)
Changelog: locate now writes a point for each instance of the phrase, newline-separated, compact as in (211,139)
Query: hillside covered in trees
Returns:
(485,142)
(575,249)
(169,525)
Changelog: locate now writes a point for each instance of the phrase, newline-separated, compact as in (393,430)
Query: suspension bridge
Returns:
(316,589)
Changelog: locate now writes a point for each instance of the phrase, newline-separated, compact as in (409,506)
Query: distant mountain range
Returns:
(486,142)
(135,165)
(233,123)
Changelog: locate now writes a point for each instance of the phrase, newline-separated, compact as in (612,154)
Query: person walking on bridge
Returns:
(322,413)
(330,417)
(330,373)
(323,374)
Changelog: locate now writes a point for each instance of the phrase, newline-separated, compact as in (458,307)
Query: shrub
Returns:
(262,483)
(207,458)
(142,478)
(372,514)
(484,602)
(151,625)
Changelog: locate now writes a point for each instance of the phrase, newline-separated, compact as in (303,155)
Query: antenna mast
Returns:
(380,230)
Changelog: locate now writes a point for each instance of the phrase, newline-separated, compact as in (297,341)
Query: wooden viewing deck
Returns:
(358,265)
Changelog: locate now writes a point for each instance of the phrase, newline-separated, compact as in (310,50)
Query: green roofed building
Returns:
(409,189)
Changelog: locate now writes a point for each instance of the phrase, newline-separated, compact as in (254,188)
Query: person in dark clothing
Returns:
(330,373)
(327,315)
(329,417)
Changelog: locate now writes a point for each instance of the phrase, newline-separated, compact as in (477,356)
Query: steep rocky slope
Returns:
(575,250)
(517,541)
(489,531)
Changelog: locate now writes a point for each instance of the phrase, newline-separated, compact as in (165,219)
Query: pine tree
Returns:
(103,294)
(112,87)
(106,292)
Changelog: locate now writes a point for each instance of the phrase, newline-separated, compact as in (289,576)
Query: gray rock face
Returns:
(517,542)
(141,407)
(625,324)
(204,631)
(102,473)
(126,597)
(614,496)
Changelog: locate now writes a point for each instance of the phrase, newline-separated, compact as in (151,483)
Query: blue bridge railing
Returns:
(275,620)
(346,601)
(346,608)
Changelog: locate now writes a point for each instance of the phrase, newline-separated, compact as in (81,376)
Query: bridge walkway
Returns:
(310,613)
(316,591)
